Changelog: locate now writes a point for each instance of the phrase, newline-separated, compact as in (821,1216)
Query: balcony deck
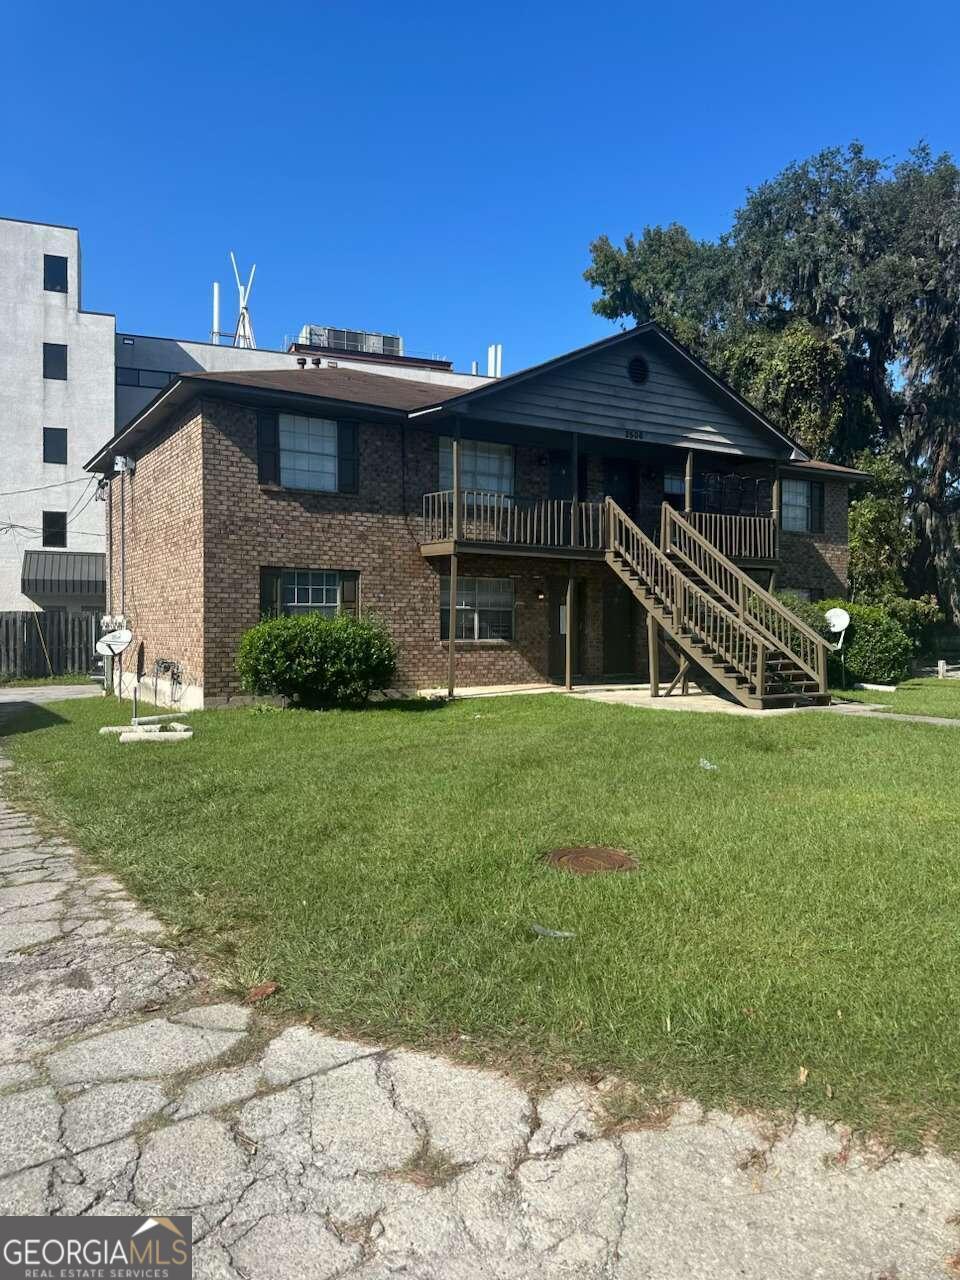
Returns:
(505,524)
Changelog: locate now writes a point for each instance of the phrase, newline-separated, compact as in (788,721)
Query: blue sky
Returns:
(436,170)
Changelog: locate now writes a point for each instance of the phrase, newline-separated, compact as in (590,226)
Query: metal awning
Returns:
(64,573)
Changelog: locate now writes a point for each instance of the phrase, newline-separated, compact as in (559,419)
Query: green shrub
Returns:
(876,649)
(317,661)
(919,619)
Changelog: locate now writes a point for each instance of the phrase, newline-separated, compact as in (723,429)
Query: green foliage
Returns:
(881,539)
(876,649)
(792,374)
(919,619)
(832,301)
(317,661)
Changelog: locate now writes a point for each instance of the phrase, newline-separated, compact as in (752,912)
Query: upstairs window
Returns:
(55,445)
(801,506)
(54,528)
(483,465)
(484,608)
(55,361)
(54,273)
(315,454)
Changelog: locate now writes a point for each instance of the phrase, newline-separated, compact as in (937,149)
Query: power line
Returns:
(61,484)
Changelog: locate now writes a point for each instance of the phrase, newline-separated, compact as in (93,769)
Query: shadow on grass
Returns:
(25,717)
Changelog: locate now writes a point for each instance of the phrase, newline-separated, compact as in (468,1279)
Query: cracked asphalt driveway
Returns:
(125,1088)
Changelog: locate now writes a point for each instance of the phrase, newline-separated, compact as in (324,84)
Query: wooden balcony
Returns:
(500,522)
(506,523)
(750,539)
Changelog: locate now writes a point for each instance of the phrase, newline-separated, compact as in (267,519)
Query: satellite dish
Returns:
(113,643)
(838,620)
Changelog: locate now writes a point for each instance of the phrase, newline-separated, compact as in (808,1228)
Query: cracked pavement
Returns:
(127,1086)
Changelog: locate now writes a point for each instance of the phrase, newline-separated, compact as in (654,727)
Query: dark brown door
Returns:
(557,657)
(620,483)
(619,630)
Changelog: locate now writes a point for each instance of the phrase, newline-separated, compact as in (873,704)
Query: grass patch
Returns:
(790,938)
(921,697)
(31,682)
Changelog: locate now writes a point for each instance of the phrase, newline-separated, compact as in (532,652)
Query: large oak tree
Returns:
(833,302)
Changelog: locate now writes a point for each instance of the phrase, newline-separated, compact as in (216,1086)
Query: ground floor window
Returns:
(804,593)
(484,608)
(291,592)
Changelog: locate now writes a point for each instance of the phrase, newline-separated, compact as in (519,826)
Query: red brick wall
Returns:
(818,562)
(163,552)
(248,526)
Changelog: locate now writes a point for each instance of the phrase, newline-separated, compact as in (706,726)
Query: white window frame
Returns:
(315,591)
(308,440)
(484,465)
(469,608)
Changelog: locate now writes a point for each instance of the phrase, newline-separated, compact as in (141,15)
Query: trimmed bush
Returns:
(876,649)
(317,661)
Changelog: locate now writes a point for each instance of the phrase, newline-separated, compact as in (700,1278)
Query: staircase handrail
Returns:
(739,644)
(722,572)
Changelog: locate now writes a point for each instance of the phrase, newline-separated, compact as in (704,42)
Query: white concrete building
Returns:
(56,409)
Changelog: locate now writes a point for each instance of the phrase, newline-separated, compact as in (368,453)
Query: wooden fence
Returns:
(54,642)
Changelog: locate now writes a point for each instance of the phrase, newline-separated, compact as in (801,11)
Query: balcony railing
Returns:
(738,537)
(557,523)
(503,518)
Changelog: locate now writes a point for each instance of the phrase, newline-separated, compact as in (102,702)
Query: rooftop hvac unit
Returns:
(354,340)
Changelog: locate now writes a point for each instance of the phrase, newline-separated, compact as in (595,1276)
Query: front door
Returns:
(557,657)
(620,483)
(619,630)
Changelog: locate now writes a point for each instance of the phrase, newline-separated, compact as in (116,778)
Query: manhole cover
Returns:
(587,860)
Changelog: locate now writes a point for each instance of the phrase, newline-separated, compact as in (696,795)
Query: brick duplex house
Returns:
(593,516)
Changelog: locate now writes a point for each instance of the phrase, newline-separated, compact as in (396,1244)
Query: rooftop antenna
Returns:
(215,331)
(244,334)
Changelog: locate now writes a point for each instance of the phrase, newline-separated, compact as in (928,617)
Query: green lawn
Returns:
(799,906)
(924,697)
(23,682)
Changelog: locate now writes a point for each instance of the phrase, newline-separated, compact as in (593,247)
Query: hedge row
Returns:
(876,648)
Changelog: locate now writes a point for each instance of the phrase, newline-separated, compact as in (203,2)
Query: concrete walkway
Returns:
(12,694)
(128,1084)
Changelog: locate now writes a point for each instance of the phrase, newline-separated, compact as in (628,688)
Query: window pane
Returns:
(127,377)
(796,505)
(54,273)
(55,361)
(673,482)
(55,445)
(310,591)
(482,465)
(308,453)
(484,608)
(54,528)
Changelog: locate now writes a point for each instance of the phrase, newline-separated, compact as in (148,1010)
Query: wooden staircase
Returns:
(715,614)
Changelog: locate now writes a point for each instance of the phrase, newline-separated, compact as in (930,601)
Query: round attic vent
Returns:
(638,371)
(587,860)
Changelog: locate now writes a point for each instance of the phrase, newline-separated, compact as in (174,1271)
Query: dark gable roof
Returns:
(381,395)
(376,390)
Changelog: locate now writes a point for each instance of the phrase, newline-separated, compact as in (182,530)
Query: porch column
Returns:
(653,654)
(775,501)
(568,629)
(452,642)
(688,484)
(455,448)
(574,490)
